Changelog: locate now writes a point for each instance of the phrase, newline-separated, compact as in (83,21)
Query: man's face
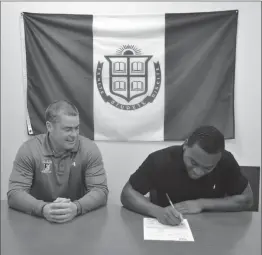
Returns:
(64,133)
(198,162)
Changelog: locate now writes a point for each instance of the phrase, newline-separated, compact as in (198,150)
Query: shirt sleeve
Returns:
(95,182)
(20,183)
(142,179)
(235,182)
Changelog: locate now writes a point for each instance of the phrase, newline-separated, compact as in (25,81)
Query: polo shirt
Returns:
(39,176)
(164,171)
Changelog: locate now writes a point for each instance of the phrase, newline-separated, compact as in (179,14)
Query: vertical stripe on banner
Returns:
(129,77)
(59,58)
(200,69)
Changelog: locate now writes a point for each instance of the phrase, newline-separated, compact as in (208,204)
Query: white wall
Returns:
(121,159)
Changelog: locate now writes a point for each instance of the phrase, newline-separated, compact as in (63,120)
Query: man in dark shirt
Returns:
(198,176)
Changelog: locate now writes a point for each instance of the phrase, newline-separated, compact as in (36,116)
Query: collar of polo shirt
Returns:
(48,151)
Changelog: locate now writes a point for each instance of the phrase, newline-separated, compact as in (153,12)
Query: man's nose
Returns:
(73,133)
(198,170)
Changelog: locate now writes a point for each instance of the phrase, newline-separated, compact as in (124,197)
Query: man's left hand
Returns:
(189,207)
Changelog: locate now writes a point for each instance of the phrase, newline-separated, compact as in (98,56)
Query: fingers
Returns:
(182,209)
(62,200)
(59,220)
(176,213)
(63,221)
(55,206)
(172,216)
(60,211)
(174,210)
(60,216)
(171,220)
(59,199)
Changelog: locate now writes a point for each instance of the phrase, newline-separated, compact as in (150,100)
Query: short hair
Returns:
(210,139)
(60,106)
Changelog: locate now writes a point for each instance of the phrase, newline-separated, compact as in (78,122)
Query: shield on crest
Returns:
(128,75)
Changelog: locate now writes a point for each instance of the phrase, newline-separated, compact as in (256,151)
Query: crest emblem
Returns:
(128,79)
(47,165)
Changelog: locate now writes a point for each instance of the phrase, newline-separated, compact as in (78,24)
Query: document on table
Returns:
(154,230)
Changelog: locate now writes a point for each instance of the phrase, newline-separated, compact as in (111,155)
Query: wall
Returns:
(121,159)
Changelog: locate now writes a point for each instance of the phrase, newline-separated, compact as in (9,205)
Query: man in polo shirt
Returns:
(60,174)
(198,176)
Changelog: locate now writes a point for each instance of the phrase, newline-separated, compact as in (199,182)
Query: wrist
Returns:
(154,210)
(42,211)
(78,208)
(202,204)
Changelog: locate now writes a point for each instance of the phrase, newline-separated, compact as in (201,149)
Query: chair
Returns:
(252,173)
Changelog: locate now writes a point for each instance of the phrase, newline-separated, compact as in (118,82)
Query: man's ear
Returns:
(49,126)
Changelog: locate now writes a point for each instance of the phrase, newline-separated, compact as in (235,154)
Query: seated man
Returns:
(198,176)
(60,174)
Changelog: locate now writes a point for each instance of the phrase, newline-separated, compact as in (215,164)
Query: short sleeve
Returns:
(95,174)
(142,179)
(235,182)
(22,174)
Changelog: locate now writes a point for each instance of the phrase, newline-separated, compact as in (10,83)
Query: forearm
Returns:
(230,203)
(95,198)
(22,201)
(20,183)
(136,202)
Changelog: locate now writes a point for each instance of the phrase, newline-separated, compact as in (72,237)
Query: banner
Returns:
(133,77)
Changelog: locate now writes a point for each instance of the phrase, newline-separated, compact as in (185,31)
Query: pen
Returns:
(170,202)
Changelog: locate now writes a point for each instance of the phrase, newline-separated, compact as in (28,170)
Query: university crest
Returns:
(127,86)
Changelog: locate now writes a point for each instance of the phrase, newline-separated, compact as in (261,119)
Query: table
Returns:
(113,230)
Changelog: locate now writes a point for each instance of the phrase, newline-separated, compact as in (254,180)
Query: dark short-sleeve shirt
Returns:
(164,171)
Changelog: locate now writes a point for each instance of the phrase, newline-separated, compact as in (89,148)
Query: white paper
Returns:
(154,230)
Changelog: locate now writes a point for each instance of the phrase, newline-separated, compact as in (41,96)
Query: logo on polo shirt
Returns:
(47,165)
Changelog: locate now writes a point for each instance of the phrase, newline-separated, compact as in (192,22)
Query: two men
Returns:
(198,176)
(60,174)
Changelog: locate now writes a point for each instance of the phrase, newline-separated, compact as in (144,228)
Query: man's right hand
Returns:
(168,216)
(56,212)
